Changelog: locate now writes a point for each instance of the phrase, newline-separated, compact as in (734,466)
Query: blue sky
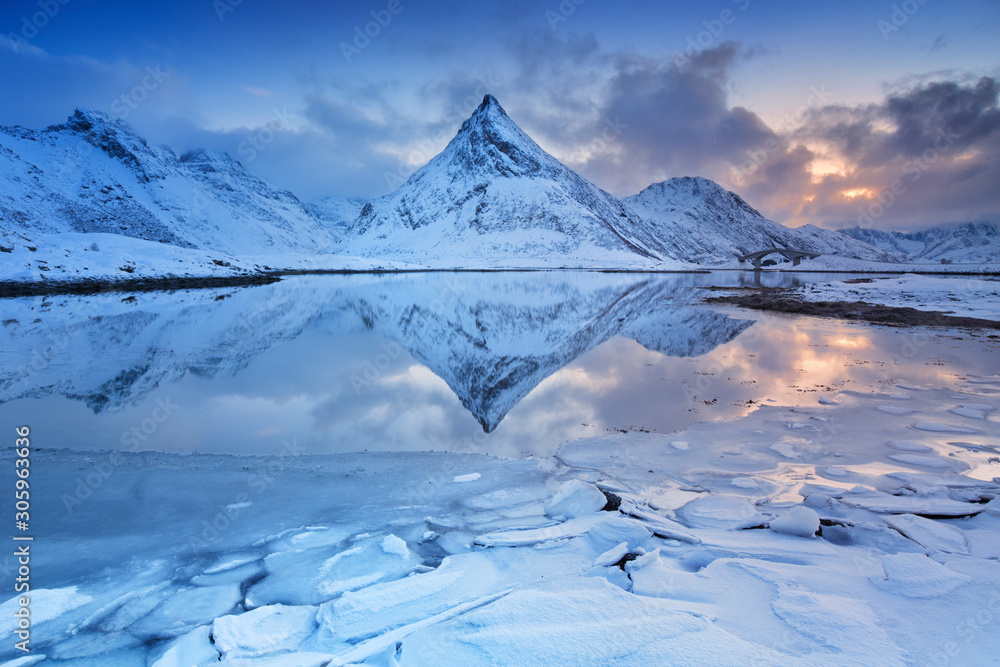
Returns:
(811,111)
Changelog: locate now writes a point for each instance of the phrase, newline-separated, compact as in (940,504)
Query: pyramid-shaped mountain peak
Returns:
(490,101)
(489,111)
(490,142)
(494,192)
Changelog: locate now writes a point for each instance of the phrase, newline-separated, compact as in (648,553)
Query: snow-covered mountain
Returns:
(492,197)
(493,192)
(962,243)
(707,224)
(337,213)
(94,174)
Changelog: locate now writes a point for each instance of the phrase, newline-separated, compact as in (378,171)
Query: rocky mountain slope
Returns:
(94,174)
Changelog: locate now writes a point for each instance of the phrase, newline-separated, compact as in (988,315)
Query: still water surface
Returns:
(509,364)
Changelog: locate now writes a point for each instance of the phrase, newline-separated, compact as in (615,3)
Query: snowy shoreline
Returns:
(18,287)
(451,558)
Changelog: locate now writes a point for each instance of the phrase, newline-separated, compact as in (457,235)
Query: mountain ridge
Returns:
(94,174)
(492,193)
(713,225)
(951,242)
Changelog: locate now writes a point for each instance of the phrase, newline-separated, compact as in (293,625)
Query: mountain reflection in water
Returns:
(395,362)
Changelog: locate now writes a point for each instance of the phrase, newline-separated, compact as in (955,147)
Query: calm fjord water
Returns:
(502,363)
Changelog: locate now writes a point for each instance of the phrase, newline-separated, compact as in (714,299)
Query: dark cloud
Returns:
(924,155)
(624,120)
(677,115)
(969,111)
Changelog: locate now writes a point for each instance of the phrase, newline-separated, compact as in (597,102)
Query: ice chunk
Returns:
(234,575)
(876,537)
(883,503)
(968,412)
(312,537)
(26,661)
(895,410)
(561,531)
(935,427)
(456,541)
(993,507)
(918,460)
(664,527)
(125,610)
(395,546)
(374,610)
(370,648)
(301,659)
(914,575)
(471,477)
(786,449)
(652,577)
(929,533)
(721,512)
(316,575)
(680,444)
(907,446)
(612,555)
(187,609)
(231,561)
(263,630)
(193,648)
(575,498)
(92,645)
(799,521)
(826,401)
(507,497)
(616,530)
(46,604)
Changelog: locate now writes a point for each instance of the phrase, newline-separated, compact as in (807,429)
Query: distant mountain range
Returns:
(959,242)
(491,193)
(706,224)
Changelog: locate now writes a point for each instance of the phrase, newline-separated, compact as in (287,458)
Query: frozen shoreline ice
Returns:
(428,558)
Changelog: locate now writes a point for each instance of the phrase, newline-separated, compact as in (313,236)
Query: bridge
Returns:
(788,253)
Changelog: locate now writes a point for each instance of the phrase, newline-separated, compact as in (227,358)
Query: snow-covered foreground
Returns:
(964,297)
(863,530)
(76,257)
